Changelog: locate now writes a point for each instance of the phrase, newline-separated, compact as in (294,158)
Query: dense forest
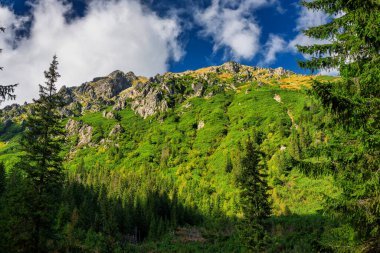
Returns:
(228,158)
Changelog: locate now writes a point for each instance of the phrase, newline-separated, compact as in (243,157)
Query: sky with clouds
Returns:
(95,37)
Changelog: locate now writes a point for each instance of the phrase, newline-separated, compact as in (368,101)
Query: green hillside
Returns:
(188,156)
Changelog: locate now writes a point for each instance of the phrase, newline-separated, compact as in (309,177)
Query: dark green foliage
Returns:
(2,178)
(15,211)
(354,102)
(354,50)
(295,149)
(229,165)
(117,116)
(42,163)
(98,204)
(254,199)
(6,91)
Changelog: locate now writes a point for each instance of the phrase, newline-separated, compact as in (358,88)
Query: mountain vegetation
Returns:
(254,199)
(227,158)
(354,103)
(158,163)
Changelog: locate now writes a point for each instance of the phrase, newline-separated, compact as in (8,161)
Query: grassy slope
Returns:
(196,158)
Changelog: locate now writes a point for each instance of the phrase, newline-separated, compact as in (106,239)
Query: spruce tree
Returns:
(354,49)
(254,199)
(353,100)
(42,162)
(2,178)
(6,91)
(15,224)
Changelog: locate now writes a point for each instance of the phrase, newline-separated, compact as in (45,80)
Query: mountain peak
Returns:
(147,96)
(231,66)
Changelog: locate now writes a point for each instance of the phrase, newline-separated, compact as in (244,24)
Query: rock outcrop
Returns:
(149,102)
(147,96)
(77,128)
(116,130)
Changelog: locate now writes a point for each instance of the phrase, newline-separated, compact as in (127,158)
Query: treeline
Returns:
(96,212)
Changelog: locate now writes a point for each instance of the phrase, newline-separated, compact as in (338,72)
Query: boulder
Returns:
(85,135)
(201,124)
(197,88)
(117,129)
(232,67)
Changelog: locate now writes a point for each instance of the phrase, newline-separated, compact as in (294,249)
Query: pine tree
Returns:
(354,49)
(354,101)
(2,178)
(254,199)
(42,162)
(6,91)
(229,165)
(15,223)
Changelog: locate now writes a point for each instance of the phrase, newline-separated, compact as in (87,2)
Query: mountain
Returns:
(146,96)
(181,134)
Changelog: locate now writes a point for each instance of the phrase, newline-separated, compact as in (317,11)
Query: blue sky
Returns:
(94,37)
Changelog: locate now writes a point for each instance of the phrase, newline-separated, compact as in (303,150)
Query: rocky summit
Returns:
(147,96)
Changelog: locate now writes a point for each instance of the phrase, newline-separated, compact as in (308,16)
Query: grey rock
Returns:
(83,131)
(117,129)
(197,88)
(72,127)
(232,67)
(85,135)
(151,102)
(201,124)
(65,112)
(67,94)
(108,115)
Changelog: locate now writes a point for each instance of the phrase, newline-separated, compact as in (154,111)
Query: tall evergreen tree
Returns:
(6,91)
(15,222)
(2,178)
(354,49)
(42,162)
(354,101)
(254,199)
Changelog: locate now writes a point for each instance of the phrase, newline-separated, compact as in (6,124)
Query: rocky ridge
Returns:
(147,96)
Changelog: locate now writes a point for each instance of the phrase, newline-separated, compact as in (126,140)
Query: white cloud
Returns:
(273,46)
(310,18)
(231,25)
(307,18)
(330,72)
(113,35)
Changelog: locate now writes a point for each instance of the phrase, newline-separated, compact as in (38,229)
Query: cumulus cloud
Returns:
(308,18)
(274,45)
(231,25)
(112,35)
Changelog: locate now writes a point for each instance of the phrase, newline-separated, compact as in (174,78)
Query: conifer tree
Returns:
(42,162)
(6,91)
(2,178)
(354,49)
(254,199)
(353,33)
(15,223)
